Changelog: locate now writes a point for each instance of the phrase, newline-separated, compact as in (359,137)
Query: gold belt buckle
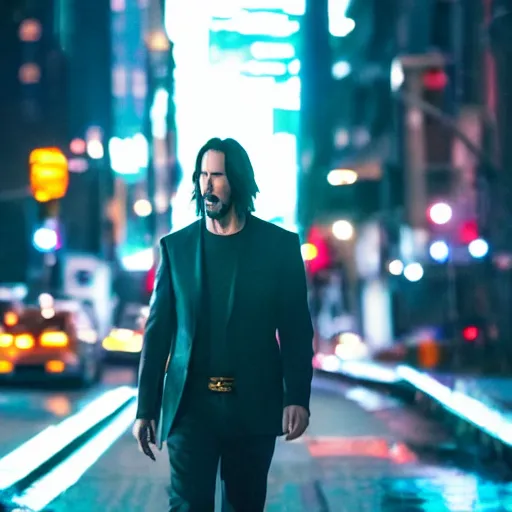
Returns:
(221,384)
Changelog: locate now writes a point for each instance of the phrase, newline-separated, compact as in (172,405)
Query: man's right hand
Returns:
(144,433)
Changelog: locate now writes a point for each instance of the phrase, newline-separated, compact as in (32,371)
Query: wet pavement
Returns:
(26,411)
(363,452)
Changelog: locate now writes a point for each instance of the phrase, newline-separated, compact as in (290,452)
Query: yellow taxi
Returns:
(44,343)
(124,341)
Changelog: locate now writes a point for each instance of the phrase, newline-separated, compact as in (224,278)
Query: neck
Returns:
(230,224)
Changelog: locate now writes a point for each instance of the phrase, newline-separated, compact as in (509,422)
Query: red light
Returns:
(150,280)
(470,333)
(322,259)
(435,80)
(468,231)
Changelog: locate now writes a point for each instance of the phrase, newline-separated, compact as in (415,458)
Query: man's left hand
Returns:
(295,421)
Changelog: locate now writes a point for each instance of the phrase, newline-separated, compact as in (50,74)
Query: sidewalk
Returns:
(483,402)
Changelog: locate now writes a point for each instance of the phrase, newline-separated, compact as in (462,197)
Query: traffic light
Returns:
(468,232)
(470,333)
(49,179)
(438,92)
(49,175)
(435,80)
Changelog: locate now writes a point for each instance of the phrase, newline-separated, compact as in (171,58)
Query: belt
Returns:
(221,384)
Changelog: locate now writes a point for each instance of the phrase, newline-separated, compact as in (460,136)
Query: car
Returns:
(124,341)
(50,342)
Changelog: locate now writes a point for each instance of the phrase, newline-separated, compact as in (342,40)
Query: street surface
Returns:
(363,452)
(26,410)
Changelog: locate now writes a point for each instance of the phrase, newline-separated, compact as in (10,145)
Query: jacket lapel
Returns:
(196,276)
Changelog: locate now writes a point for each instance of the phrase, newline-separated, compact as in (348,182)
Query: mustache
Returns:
(212,198)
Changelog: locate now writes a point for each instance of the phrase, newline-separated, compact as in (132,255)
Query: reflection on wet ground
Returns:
(379,485)
(28,408)
(363,452)
(386,457)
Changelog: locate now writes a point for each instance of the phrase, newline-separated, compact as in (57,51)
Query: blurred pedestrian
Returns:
(214,383)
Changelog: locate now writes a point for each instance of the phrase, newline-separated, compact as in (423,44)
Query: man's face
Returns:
(214,185)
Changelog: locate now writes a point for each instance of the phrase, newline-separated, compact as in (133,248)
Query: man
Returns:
(214,380)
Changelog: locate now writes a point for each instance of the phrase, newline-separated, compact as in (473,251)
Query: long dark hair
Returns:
(239,172)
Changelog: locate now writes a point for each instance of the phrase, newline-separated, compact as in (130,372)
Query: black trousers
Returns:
(204,435)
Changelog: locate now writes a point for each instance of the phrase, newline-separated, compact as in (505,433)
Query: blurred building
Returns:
(33,113)
(83,34)
(345,131)
(399,126)
(237,75)
(142,144)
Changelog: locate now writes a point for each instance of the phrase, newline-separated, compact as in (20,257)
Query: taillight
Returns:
(10,319)
(6,340)
(6,367)
(24,341)
(54,339)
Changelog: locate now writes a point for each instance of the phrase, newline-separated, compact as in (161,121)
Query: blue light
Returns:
(45,239)
(478,248)
(439,251)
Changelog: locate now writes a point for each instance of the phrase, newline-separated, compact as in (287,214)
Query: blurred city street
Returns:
(334,176)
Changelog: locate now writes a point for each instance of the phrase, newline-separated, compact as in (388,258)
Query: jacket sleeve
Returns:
(158,334)
(294,326)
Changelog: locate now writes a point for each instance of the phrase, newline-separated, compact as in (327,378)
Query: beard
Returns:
(216,210)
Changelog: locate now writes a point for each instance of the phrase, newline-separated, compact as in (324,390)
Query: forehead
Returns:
(213,161)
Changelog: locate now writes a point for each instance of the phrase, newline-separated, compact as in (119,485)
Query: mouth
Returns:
(211,199)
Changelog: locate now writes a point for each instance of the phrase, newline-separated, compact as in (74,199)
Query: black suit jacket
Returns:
(270,294)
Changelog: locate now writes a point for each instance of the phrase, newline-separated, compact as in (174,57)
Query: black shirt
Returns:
(211,355)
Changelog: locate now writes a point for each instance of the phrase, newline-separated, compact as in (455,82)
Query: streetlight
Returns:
(440,213)
(339,177)
(157,41)
(413,272)
(396,267)
(343,230)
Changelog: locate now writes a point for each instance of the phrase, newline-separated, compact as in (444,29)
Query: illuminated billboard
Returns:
(237,76)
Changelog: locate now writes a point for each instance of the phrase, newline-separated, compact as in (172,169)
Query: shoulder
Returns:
(274,232)
(181,235)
